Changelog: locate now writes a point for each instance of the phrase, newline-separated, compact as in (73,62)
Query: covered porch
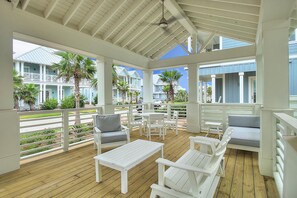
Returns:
(118,36)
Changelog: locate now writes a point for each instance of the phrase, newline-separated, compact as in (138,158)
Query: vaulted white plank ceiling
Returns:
(131,24)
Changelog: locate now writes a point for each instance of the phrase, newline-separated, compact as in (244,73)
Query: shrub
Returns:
(50,104)
(69,102)
(95,100)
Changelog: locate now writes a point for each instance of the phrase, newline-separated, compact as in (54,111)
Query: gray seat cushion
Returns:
(245,136)
(115,136)
(109,123)
(244,121)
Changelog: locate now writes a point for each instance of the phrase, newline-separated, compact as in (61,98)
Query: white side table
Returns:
(216,126)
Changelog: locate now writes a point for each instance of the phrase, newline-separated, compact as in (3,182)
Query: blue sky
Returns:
(175,52)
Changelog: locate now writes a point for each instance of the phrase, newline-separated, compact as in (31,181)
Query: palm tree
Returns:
(29,94)
(170,77)
(136,93)
(166,90)
(17,88)
(123,87)
(130,93)
(77,67)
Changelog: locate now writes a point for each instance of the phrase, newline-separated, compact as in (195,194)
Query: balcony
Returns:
(35,78)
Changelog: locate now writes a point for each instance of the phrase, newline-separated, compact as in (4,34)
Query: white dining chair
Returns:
(156,125)
(172,122)
(136,121)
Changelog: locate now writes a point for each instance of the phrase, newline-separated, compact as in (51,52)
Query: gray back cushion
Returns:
(109,123)
(251,121)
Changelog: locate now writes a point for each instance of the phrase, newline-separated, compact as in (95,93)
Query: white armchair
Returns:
(171,123)
(108,131)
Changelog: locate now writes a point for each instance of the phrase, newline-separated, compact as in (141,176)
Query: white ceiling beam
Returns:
(133,23)
(156,46)
(49,9)
(221,6)
(72,11)
(242,2)
(161,38)
(179,14)
(152,37)
(170,45)
(207,42)
(225,14)
(229,35)
(150,30)
(234,54)
(132,8)
(235,22)
(143,30)
(103,21)
(227,30)
(25,4)
(90,14)
(224,25)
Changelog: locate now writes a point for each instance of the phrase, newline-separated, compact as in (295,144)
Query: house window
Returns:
(27,69)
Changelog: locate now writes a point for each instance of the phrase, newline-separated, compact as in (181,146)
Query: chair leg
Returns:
(176,131)
(98,149)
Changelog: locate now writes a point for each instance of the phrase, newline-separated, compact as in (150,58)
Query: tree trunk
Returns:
(77,100)
(31,105)
(171,92)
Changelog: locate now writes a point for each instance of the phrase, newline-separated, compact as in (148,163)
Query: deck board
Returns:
(72,174)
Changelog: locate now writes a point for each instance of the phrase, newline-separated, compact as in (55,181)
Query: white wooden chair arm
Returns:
(183,166)
(97,130)
(127,131)
(208,139)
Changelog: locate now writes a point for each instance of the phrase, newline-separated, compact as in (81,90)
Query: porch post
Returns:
(275,92)
(44,93)
(40,72)
(148,86)
(241,74)
(9,120)
(22,69)
(200,90)
(104,76)
(213,88)
(58,93)
(193,118)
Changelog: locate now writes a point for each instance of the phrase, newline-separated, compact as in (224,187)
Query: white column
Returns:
(40,93)
(241,95)
(58,94)
(90,96)
(44,72)
(44,93)
(193,119)
(17,67)
(61,92)
(205,92)
(148,86)
(224,88)
(213,88)
(104,76)
(200,90)
(118,95)
(9,121)
(275,90)
(22,68)
(40,72)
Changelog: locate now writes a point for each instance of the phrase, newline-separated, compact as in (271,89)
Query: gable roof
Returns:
(40,55)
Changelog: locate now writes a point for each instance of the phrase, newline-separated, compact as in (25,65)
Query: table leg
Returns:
(98,171)
(124,181)
(162,152)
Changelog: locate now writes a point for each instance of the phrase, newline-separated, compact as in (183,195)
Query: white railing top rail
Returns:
(288,120)
(56,111)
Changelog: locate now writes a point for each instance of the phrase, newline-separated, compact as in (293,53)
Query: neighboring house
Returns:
(235,82)
(35,67)
(132,78)
(158,94)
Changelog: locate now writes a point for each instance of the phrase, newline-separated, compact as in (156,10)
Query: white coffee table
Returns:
(216,125)
(126,157)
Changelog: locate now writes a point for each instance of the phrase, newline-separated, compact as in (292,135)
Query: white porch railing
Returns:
(220,112)
(284,162)
(45,131)
(33,77)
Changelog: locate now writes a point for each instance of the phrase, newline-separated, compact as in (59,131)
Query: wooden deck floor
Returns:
(72,174)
